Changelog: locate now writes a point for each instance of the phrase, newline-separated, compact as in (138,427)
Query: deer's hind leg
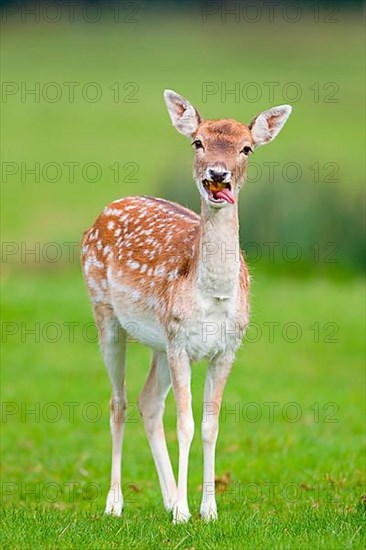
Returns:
(151,405)
(112,339)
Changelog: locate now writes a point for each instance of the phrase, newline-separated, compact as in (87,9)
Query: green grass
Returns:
(150,528)
(290,484)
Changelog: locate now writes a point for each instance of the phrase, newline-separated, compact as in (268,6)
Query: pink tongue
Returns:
(226,195)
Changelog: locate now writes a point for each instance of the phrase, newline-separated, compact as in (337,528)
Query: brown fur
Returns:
(163,220)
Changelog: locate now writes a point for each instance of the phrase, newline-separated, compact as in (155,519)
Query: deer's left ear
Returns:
(183,115)
(268,124)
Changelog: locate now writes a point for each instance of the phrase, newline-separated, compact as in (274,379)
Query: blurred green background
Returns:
(309,208)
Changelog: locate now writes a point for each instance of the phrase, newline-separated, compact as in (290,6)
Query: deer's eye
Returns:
(197,144)
(246,150)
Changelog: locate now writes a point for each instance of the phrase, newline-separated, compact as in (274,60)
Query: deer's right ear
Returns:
(183,115)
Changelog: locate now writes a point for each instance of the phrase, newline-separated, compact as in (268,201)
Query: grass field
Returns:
(290,456)
(293,480)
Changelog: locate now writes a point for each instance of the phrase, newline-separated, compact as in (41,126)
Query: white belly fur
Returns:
(213,328)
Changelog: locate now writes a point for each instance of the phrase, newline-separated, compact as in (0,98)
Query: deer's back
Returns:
(140,242)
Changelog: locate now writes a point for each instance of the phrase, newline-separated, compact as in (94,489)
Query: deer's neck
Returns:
(218,252)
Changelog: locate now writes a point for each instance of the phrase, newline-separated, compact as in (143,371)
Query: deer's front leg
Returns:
(180,371)
(217,374)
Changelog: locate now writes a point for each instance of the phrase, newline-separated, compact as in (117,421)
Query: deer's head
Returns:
(222,147)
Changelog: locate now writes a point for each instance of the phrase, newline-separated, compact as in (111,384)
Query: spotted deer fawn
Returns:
(180,283)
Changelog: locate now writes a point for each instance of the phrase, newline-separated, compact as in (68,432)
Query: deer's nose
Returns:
(217,176)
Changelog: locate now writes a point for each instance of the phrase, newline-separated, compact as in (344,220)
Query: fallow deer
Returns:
(180,283)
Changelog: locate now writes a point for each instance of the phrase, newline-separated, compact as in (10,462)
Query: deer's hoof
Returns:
(208,513)
(180,513)
(114,504)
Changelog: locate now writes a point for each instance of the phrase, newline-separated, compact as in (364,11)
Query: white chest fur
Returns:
(214,328)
